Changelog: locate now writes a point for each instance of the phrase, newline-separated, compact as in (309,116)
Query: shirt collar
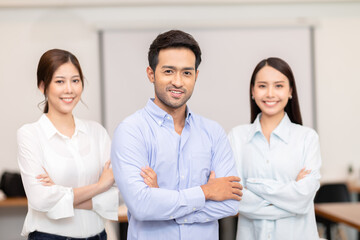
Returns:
(282,130)
(159,115)
(255,127)
(50,129)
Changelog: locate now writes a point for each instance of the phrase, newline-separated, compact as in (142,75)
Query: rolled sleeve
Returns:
(106,204)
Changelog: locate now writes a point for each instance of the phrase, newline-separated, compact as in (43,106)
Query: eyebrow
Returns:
(281,81)
(75,76)
(172,67)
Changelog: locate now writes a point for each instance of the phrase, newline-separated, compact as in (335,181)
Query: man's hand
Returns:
(224,188)
(149,176)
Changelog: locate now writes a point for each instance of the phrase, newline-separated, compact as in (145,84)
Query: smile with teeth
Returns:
(67,100)
(270,103)
(176,92)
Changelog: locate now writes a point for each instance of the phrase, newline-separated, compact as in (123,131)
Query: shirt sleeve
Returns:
(56,201)
(283,195)
(251,205)
(223,165)
(106,204)
(128,155)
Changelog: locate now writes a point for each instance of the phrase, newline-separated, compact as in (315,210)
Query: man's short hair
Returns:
(173,39)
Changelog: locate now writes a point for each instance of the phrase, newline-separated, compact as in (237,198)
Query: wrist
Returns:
(206,191)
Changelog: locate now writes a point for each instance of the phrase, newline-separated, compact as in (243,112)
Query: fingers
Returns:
(233,179)
(107,164)
(236,185)
(212,175)
(148,171)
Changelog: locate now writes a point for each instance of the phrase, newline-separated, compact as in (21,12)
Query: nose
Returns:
(270,91)
(68,87)
(177,81)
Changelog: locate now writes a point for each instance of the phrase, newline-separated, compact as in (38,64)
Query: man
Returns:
(185,150)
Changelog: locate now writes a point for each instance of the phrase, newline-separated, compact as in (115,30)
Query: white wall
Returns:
(27,32)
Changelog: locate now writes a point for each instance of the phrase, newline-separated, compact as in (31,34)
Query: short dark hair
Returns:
(173,39)
(292,108)
(49,62)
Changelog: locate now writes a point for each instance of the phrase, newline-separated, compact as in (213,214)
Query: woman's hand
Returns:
(45,179)
(107,178)
(149,176)
(302,174)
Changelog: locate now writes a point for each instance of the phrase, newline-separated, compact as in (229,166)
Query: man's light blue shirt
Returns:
(177,209)
(274,204)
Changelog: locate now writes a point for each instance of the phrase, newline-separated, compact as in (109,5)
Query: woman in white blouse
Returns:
(64,161)
(278,160)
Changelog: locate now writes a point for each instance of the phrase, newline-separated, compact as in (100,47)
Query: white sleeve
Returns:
(106,204)
(56,201)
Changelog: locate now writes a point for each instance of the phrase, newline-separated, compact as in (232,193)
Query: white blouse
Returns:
(274,205)
(71,163)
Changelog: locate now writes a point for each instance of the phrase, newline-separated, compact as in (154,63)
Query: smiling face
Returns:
(271,92)
(174,78)
(64,90)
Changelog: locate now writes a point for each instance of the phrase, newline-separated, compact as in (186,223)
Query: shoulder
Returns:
(132,124)
(28,129)
(304,131)
(240,132)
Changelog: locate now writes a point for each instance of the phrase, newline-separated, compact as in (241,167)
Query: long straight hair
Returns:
(292,108)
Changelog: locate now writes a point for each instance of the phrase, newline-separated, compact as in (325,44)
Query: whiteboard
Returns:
(221,93)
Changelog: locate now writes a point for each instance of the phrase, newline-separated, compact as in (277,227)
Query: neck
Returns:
(178,115)
(269,123)
(65,124)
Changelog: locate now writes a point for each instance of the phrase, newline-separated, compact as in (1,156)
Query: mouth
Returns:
(67,100)
(176,93)
(270,103)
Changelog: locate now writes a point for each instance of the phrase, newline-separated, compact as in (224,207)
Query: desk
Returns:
(347,213)
(122,214)
(14,202)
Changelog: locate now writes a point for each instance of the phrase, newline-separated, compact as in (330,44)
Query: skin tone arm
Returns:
(83,195)
(216,189)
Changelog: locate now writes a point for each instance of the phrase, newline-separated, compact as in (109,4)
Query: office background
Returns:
(30,28)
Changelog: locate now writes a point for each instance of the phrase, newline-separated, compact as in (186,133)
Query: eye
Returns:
(59,81)
(278,85)
(187,73)
(168,71)
(76,80)
(261,86)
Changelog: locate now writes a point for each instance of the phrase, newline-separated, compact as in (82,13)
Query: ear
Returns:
(151,74)
(196,75)
(42,87)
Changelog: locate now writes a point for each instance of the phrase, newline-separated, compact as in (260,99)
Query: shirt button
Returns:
(171,217)
(182,177)
(159,122)
(267,161)
(207,219)
(185,220)
(168,117)
(194,209)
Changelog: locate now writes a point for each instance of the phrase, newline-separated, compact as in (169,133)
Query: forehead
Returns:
(182,57)
(270,75)
(67,68)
